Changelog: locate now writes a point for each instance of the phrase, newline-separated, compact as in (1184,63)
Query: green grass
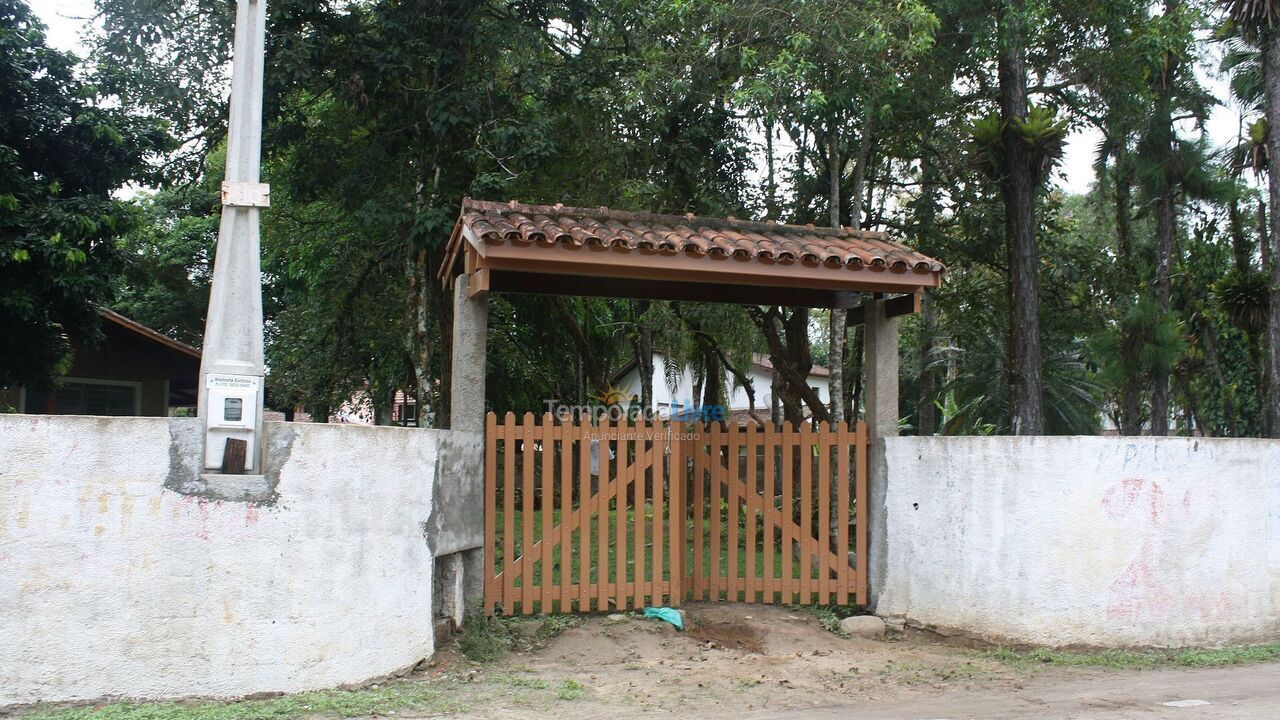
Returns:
(828,616)
(570,690)
(1139,660)
(435,697)
(423,696)
(485,639)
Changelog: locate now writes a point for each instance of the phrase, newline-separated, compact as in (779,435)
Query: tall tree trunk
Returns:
(775,400)
(1271,80)
(838,315)
(853,388)
(787,338)
(442,348)
(1018,189)
(926,404)
(771,178)
(417,313)
(1166,219)
(1161,135)
(644,353)
(1241,247)
(1130,409)
(926,410)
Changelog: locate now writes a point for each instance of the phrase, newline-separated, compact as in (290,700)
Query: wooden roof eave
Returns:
(562,260)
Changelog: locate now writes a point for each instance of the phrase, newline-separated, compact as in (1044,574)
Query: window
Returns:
(88,397)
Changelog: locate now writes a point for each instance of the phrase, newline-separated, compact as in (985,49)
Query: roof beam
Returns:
(893,307)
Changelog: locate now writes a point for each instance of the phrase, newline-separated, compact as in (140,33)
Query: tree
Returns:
(818,69)
(62,152)
(1257,20)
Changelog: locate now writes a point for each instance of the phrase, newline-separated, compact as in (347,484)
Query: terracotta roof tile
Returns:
(494,222)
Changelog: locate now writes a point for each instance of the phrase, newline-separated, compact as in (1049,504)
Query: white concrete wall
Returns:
(113,585)
(1085,541)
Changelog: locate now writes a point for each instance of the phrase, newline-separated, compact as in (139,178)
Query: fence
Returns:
(583,517)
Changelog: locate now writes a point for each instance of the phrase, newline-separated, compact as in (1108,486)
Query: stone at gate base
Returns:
(863,626)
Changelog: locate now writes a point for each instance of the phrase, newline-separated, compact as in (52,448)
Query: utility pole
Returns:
(231,366)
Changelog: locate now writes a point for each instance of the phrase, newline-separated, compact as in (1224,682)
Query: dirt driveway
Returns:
(734,661)
(753,662)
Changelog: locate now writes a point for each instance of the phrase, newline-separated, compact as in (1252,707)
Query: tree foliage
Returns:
(63,150)
(940,120)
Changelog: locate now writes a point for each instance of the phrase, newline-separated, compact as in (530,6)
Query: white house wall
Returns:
(761,381)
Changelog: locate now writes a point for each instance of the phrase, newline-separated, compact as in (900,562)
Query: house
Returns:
(134,371)
(684,395)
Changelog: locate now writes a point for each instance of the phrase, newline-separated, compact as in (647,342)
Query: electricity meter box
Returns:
(231,412)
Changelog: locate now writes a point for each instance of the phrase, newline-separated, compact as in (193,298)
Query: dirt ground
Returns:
(732,658)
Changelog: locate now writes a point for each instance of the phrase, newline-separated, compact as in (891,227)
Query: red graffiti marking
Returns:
(202,510)
(1137,594)
(1133,493)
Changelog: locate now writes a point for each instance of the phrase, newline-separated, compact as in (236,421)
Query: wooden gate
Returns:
(587,517)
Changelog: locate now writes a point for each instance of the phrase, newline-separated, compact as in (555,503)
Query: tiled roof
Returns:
(495,222)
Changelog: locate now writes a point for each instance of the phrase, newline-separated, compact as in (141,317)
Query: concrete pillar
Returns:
(881,365)
(230,392)
(470,330)
(461,574)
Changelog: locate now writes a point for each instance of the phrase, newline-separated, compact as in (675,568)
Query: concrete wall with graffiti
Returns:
(121,576)
(1085,541)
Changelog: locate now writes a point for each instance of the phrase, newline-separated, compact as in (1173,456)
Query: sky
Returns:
(67,21)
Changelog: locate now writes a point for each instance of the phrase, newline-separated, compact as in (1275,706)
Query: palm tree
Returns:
(1257,21)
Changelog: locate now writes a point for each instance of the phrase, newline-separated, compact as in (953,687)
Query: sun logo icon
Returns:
(613,395)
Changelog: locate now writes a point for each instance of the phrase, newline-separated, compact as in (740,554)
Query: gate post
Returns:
(460,561)
(881,364)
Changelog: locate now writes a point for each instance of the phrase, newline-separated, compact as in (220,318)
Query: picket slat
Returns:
(585,512)
(699,510)
(806,514)
(788,506)
(638,495)
(623,466)
(861,497)
(509,514)
(770,480)
(676,511)
(824,513)
(547,506)
(733,578)
(842,518)
(491,576)
(656,461)
(713,511)
(602,519)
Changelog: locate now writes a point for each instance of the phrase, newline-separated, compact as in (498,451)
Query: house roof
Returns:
(628,254)
(146,332)
(763,362)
